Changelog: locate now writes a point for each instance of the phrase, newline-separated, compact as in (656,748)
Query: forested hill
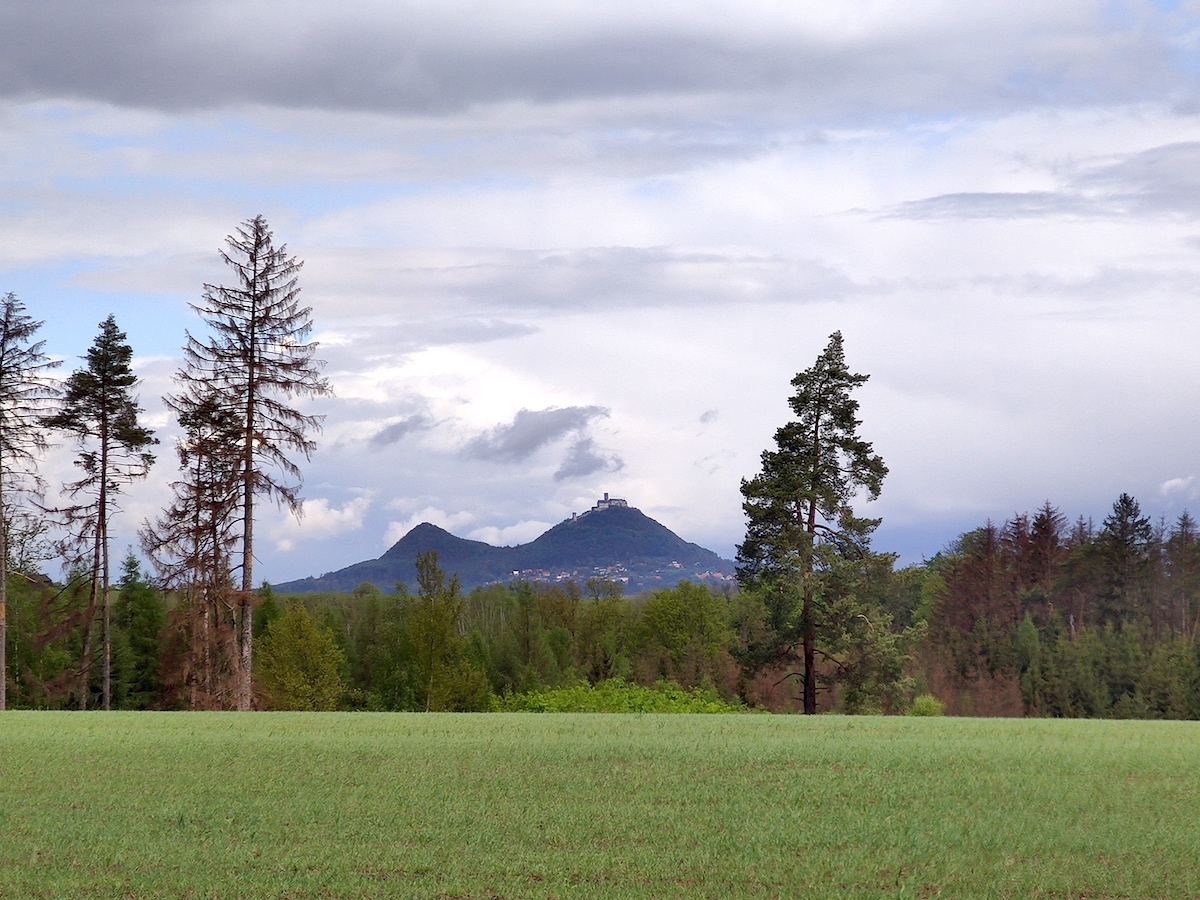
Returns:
(620,542)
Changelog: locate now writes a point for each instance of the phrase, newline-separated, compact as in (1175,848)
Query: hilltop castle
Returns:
(606,503)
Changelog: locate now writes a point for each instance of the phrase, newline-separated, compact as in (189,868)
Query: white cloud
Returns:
(451,522)
(320,520)
(512,535)
(1177,486)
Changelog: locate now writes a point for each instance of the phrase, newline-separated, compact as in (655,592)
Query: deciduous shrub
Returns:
(927,705)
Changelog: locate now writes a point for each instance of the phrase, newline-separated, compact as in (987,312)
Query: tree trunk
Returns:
(3,602)
(810,660)
(102,564)
(107,601)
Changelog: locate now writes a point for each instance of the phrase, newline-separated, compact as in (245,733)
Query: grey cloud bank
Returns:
(417,58)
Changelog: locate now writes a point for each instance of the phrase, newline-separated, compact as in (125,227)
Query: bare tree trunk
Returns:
(3,601)
(107,624)
(245,677)
(102,563)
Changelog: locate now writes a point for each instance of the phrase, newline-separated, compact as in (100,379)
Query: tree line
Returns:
(1034,617)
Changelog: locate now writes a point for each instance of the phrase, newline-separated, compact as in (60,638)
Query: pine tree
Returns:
(25,392)
(255,361)
(100,412)
(798,506)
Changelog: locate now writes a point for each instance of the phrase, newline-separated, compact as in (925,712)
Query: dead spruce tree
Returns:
(191,546)
(26,390)
(100,412)
(254,362)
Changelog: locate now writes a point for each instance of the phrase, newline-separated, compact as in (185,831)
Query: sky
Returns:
(556,249)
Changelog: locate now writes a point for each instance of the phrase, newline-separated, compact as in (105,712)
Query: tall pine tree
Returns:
(100,412)
(798,508)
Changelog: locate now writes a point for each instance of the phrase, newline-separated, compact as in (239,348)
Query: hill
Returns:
(611,540)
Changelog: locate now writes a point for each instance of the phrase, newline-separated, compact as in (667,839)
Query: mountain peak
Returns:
(610,540)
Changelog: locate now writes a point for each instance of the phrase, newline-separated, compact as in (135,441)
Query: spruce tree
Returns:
(100,413)
(255,361)
(191,544)
(26,389)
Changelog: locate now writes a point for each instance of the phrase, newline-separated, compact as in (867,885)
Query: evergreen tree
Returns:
(25,391)
(798,506)
(141,615)
(255,360)
(100,412)
(1125,551)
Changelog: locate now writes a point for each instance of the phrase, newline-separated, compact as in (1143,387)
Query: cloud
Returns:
(391,434)
(999,205)
(431,59)
(709,416)
(530,431)
(1177,486)
(452,522)
(320,520)
(584,459)
(1154,181)
(466,290)
(512,535)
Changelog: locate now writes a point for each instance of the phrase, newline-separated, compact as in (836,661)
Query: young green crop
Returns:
(525,805)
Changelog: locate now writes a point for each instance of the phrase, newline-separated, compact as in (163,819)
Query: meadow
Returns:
(527,805)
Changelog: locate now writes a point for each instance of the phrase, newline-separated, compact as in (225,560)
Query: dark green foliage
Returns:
(267,610)
(606,638)
(1080,622)
(140,617)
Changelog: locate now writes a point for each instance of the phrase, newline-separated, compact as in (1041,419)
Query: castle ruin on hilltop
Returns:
(606,503)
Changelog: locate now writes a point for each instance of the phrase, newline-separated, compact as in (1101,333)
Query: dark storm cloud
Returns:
(433,59)
(585,459)
(530,431)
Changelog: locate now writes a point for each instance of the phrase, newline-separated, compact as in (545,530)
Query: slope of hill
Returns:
(618,542)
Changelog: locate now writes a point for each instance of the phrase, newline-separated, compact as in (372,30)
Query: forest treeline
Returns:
(1038,616)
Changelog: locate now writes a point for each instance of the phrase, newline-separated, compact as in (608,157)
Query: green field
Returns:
(526,805)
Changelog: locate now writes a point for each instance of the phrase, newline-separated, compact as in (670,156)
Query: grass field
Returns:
(526,805)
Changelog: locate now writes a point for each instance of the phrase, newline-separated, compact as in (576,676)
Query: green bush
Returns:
(927,705)
(619,696)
